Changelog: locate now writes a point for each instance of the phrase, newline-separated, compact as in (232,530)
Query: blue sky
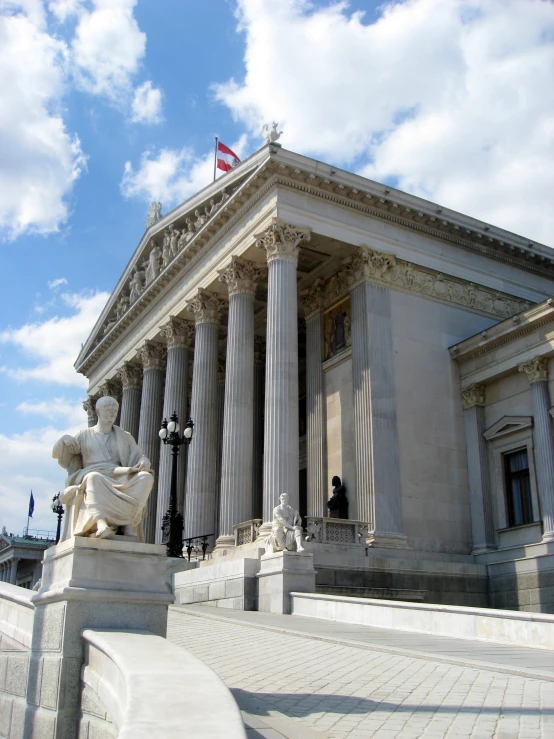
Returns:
(108,104)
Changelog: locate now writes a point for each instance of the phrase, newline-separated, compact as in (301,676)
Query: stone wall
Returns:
(523,584)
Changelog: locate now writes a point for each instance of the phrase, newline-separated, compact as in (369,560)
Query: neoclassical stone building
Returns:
(315,323)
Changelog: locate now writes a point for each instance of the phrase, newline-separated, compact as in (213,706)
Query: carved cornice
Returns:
(241,276)
(259,349)
(473,395)
(152,355)
(536,369)
(178,333)
(130,376)
(207,307)
(282,240)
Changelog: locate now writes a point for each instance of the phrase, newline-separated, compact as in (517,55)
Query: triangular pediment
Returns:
(508,425)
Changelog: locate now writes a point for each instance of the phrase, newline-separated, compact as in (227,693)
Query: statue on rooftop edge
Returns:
(286,529)
(154,214)
(109,479)
(271,134)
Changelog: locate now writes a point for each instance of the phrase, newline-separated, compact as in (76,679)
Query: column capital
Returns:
(152,355)
(110,388)
(207,307)
(259,349)
(130,376)
(536,369)
(473,395)
(89,406)
(282,240)
(312,299)
(366,264)
(178,333)
(241,276)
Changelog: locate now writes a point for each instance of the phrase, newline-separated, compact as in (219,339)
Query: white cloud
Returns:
(53,345)
(448,98)
(170,175)
(40,159)
(56,408)
(54,284)
(107,48)
(64,9)
(147,104)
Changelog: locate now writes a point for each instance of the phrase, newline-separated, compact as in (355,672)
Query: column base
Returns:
(548,537)
(387,541)
(224,542)
(484,549)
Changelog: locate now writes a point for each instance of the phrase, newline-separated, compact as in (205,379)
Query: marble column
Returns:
(537,374)
(220,410)
(179,335)
(89,406)
(237,456)
(281,242)
(316,415)
(130,376)
(13,571)
(201,486)
(258,461)
(480,494)
(152,356)
(378,490)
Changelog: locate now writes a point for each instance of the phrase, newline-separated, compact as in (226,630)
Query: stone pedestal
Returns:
(87,583)
(280,574)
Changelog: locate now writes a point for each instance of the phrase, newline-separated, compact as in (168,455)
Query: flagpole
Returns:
(215,156)
(28,517)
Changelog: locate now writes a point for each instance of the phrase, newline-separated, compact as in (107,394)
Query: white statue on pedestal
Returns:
(271,134)
(154,214)
(286,530)
(109,478)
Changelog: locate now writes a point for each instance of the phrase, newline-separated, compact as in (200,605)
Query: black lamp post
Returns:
(172,523)
(57,508)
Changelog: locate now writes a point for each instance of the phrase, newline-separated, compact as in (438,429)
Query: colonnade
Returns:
(8,571)
(228,428)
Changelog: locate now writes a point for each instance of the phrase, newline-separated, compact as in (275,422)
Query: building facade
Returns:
(21,558)
(304,317)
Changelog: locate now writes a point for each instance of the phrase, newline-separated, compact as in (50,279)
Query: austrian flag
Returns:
(226,159)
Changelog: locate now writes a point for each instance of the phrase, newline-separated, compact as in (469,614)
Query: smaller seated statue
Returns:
(338,502)
(286,530)
(109,479)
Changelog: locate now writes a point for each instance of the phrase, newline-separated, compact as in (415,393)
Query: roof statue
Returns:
(271,134)
(154,214)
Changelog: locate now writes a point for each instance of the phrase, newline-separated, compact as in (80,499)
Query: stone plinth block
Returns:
(280,574)
(88,583)
(222,583)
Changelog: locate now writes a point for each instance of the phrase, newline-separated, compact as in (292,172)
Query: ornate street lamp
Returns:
(172,523)
(57,508)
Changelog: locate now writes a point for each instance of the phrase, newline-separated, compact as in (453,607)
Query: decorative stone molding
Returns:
(336,531)
(259,349)
(178,333)
(152,355)
(386,269)
(89,406)
(241,276)
(473,395)
(130,376)
(111,389)
(313,299)
(207,307)
(282,240)
(536,369)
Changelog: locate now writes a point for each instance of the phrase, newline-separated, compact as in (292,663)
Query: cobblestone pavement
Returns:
(297,686)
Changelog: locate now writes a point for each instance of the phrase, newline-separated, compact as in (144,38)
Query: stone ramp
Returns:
(335,680)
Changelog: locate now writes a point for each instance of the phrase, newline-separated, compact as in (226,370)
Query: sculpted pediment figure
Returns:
(109,479)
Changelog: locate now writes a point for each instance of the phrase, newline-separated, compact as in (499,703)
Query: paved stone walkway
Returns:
(303,678)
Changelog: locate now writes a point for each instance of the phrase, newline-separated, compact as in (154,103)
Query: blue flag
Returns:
(31,505)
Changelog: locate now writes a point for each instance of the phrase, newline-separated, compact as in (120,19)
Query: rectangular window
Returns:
(518,488)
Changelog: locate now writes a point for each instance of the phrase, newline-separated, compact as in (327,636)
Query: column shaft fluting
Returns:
(220,413)
(258,452)
(544,448)
(175,401)
(201,484)
(238,418)
(480,494)
(377,458)
(316,417)
(149,425)
(130,376)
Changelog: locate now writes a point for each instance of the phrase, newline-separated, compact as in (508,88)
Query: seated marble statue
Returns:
(286,530)
(109,478)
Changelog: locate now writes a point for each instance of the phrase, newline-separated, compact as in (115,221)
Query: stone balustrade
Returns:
(138,685)
(16,613)
(323,530)
(247,531)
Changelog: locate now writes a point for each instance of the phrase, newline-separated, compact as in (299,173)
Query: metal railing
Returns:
(195,545)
